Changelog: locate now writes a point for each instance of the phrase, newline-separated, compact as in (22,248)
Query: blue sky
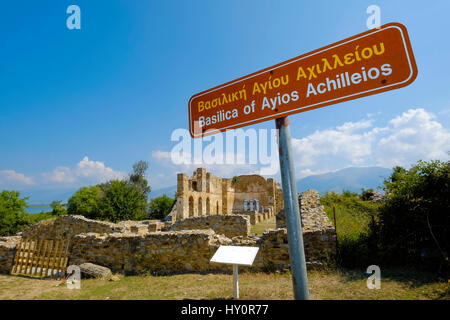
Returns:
(81,106)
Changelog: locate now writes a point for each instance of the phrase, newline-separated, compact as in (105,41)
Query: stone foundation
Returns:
(153,252)
(69,226)
(231,225)
(258,217)
(137,247)
(8,247)
(312,213)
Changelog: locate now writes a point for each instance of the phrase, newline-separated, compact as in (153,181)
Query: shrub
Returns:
(367,194)
(161,207)
(13,217)
(121,201)
(113,201)
(354,218)
(86,202)
(58,209)
(414,222)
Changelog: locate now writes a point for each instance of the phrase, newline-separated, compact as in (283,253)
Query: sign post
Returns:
(292,211)
(235,256)
(369,63)
(235,282)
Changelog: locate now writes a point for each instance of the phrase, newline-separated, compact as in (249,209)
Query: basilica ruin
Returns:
(205,194)
(210,211)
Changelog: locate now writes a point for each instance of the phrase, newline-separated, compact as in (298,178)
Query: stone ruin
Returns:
(205,194)
(181,243)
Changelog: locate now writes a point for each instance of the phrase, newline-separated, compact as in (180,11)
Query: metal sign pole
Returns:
(235,281)
(292,212)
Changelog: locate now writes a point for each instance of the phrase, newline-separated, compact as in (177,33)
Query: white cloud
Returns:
(345,141)
(413,135)
(13,177)
(86,171)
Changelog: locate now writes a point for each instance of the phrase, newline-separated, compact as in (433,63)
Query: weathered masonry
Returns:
(183,245)
(205,194)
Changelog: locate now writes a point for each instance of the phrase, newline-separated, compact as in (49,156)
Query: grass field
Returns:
(260,227)
(330,285)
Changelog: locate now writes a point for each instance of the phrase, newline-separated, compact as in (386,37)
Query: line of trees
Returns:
(114,201)
(119,200)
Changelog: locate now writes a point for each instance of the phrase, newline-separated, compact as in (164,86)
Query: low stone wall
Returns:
(178,251)
(8,247)
(258,217)
(139,253)
(147,226)
(230,225)
(68,226)
(319,246)
(187,245)
(312,212)
(319,235)
(190,250)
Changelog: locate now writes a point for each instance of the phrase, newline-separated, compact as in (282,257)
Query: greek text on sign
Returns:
(371,62)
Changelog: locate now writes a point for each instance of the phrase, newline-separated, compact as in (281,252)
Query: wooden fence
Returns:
(41,258)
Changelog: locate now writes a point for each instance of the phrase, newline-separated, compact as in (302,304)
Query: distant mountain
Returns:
(353,179)
(168,191)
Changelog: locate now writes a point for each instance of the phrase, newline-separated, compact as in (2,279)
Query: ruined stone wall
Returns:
(312,213)
(319,246)
(177,251)
(319,235)
(200,195)
(8,247)
(189,250)
(139,246)
(257,217)
(140,253)
(205,194)
(250,187)
(68,226)
(228,225)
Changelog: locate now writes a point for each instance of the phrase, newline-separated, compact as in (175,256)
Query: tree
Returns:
(113,201)
(86,202)
(122,201)
(12,212)
(414,222)
(138,178)
(58,209)
(366,195)
(161,207)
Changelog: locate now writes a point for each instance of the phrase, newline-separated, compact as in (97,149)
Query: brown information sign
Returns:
(372,62)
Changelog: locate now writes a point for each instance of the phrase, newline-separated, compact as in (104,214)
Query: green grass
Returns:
(353,215)
(330,285)
(259,228)
(353,218)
